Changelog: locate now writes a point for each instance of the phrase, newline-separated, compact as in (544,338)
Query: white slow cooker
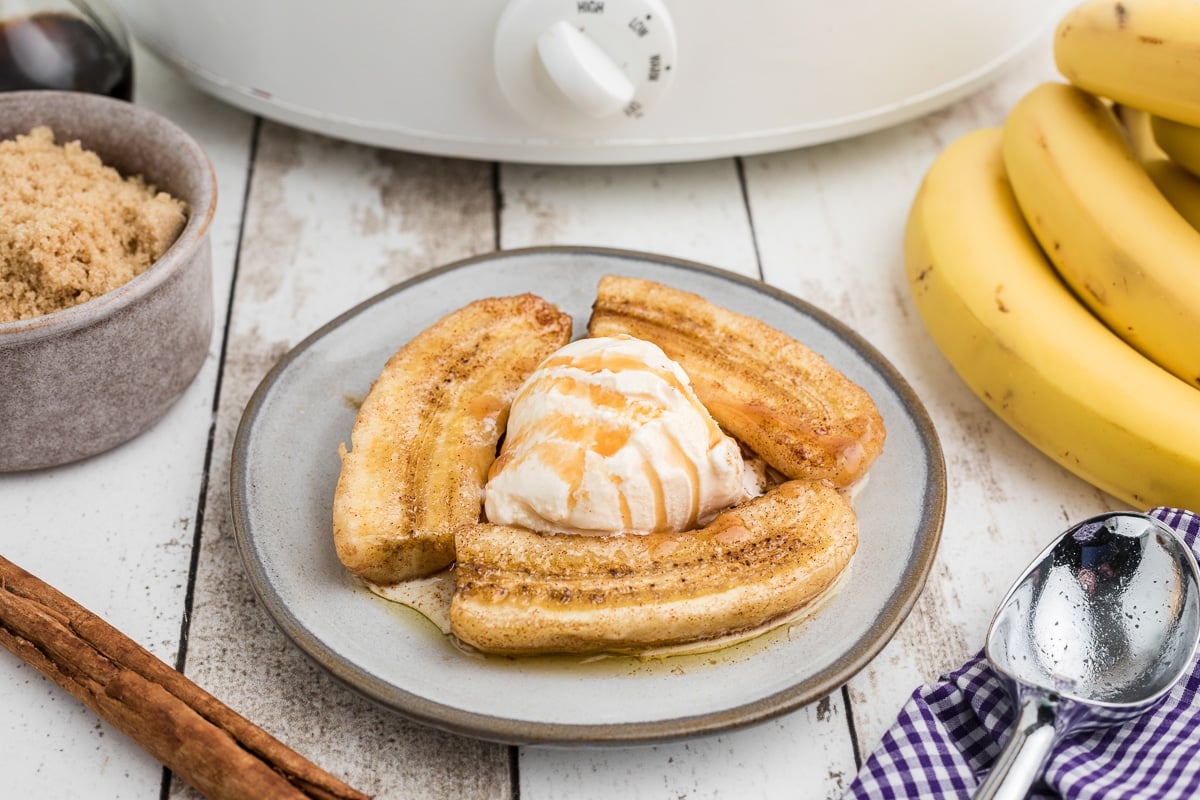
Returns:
(589,81)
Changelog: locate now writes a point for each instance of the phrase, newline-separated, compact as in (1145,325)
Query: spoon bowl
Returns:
(1102,624)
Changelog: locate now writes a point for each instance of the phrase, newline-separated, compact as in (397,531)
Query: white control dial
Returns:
(578,65)
(593,82)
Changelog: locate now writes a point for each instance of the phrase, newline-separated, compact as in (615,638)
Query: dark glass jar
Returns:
(59,44)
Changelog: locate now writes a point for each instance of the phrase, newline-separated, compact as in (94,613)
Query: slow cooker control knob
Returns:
(592,81)
(575,65)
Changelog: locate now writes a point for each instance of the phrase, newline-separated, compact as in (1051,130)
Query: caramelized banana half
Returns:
(782,400)
(519,592)
(427,432)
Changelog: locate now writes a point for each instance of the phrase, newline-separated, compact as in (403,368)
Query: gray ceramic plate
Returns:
(285,467)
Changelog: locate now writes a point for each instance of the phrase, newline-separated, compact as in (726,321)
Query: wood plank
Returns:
(694,211)
(829,222)
(804,754)
(115,532)
(328,224)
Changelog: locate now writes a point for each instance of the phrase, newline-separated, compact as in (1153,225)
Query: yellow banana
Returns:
(1180,187)
(1032,353)
(1127,253)
(1180,142)
(1141,53)
(1182,190)
(1140,134)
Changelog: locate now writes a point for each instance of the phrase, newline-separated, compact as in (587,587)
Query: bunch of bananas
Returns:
(1056,260)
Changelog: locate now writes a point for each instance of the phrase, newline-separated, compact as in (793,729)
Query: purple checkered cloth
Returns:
(949,734)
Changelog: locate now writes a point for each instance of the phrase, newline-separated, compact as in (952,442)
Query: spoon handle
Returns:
(1020,762)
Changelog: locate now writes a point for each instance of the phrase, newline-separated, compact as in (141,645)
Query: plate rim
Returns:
(524,732)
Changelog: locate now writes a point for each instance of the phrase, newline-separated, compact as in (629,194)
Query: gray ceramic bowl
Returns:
(85,379)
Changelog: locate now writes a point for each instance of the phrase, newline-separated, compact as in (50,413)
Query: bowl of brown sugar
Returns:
(105,273)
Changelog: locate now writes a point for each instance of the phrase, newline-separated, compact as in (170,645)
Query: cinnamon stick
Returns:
(201,740)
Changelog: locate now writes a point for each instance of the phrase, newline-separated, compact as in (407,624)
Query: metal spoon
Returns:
(1094,633)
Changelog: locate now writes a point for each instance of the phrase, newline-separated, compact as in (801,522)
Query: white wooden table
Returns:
(306,228)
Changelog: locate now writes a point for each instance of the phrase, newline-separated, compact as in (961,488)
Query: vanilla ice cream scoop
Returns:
(608,436)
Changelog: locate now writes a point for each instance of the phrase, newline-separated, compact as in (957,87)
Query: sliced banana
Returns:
(427,432)
(520,592)
(782,400)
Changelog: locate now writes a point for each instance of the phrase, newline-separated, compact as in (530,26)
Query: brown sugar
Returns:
(72,228)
